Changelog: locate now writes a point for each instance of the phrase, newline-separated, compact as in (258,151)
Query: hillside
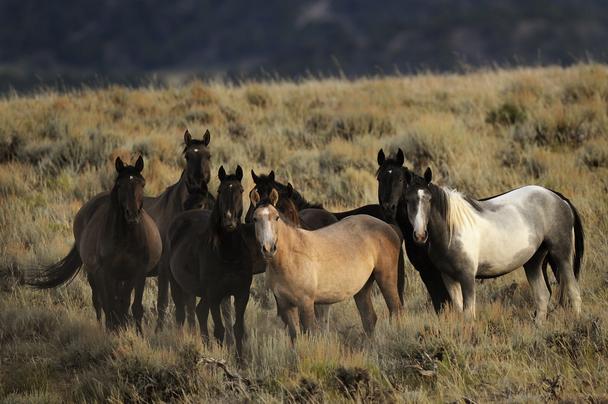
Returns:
(68,41)
(483,133)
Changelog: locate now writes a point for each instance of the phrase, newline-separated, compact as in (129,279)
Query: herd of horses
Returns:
(199,247)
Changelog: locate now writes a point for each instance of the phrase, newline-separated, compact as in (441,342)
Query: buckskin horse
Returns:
(327,265)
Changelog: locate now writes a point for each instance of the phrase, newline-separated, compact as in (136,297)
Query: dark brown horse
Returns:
(189,192)
(118,243)
(210,256)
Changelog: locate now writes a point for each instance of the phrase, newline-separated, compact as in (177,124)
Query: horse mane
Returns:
(288,211)
(458,210)
(299,201)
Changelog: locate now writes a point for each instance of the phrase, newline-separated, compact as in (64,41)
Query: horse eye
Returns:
(255,219)
(276,218)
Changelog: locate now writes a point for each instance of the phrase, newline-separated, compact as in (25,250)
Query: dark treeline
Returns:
(61,43)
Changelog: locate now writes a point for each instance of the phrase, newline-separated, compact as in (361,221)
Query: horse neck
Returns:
(437,225)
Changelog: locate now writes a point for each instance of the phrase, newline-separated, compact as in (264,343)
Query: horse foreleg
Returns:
(162,300)
(137,307)
(455,291)
(202,313)
(191,311)
(322,315)
(218,326)
(467,285)
(180,298)
(240,304)
(289,314)
(307,317)
(226,309)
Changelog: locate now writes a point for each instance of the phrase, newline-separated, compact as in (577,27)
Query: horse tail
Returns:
(401,277)
(579,236)
(59,273)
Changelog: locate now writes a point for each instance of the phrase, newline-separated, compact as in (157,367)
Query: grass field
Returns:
(483,133)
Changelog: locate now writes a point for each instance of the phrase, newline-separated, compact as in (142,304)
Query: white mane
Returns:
(459,212)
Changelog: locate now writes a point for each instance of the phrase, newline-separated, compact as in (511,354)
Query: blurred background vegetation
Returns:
(70,42)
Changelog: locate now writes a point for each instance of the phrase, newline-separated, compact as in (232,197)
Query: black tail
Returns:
(401,277)
(59,273)
(579,237)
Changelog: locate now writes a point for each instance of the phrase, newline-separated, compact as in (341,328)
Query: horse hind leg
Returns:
(95,296)
(535,274)
(386,278)
(568,285)
(363,299)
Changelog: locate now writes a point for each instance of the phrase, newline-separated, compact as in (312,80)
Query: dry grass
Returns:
(483,132)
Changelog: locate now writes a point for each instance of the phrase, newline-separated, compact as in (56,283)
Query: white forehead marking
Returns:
(196,150)
(389,171)
(130,177)
(420,193)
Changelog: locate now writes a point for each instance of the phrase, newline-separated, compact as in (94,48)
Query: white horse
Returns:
(466,238)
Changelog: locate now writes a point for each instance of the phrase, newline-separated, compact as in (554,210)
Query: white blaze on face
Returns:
(263,229)
(420,220)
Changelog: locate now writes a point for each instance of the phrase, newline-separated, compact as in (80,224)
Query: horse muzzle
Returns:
(421,238)
(132,217)
(269,252)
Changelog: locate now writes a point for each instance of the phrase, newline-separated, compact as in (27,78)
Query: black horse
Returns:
(391,195)
(210,256)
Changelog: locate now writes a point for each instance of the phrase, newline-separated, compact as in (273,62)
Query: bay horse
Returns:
(327,265)
(391,176)
(189,192)
(118,244)
(210,256)
(468,238)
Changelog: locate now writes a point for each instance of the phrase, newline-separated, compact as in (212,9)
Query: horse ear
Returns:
(381,157)
(206,138)
(408,176)
(119,164)
(139,164)
(255,177)
(274,197)
(428,175)
(254,197)
(271,176)
(289,190)
(400,157)
(239,172)
(221,174)
(187,137)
